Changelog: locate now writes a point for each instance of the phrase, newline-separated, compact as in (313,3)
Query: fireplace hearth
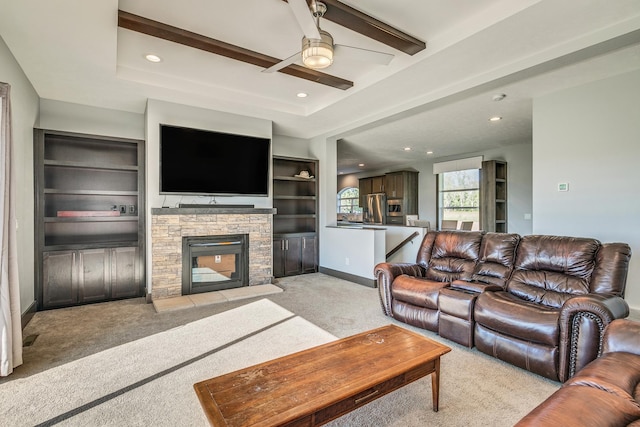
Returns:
(213,263)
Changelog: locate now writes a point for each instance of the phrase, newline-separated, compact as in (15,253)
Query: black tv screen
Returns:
(194,161)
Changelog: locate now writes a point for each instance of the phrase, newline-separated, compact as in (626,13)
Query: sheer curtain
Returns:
(10,323)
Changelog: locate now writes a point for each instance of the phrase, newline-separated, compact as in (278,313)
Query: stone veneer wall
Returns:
(167,231)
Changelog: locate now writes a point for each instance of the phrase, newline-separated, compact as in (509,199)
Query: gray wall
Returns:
(589,137)
(24,106)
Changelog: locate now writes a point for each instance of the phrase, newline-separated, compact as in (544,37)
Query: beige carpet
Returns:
(150,381)
(103,360)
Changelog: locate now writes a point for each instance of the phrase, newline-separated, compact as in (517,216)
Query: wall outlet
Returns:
(218,259)
(132,209)
(346,261)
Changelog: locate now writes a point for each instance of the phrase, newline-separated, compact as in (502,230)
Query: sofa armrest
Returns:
(622,335)
(475,286)
(582,322)
(386,273)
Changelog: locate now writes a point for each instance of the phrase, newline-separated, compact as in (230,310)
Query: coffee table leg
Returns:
(435,385)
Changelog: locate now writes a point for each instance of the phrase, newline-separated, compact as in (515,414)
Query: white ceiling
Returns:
(437,100)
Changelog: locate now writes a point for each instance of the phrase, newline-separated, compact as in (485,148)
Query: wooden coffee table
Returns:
(314,386)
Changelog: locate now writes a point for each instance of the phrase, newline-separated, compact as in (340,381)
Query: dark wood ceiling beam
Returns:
(178,35)
(369,26)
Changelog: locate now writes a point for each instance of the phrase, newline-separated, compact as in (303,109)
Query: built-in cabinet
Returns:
(295,224)
(294,254)
(89,236)
(493,196)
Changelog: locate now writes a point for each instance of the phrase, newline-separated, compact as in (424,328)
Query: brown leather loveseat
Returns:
(538,302)
(606,392)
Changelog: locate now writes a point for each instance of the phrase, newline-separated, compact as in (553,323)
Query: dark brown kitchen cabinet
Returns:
(89,232)
(377,184)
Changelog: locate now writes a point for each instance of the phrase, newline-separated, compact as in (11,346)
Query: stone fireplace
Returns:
(169,227)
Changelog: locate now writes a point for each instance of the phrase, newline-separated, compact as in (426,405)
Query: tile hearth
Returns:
(216,297)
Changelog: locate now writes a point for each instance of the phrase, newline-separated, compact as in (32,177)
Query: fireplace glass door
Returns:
(214,263)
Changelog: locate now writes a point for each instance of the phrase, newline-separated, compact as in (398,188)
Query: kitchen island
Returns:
(352,250)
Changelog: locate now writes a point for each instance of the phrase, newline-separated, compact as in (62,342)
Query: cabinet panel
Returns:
(60,287)
(278,256)
(365,186)
(377,184)
(394,185)
(293,257)
(309,254)
(93,278)
(125,275)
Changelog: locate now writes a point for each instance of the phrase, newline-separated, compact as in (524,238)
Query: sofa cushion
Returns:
(496,258)
(509,315)
(551,269)
(417,291)
(453,255)
(617,373)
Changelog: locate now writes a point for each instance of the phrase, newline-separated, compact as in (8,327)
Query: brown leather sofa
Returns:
(538,302)
(606,392)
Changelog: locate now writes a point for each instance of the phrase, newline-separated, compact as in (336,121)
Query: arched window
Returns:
(349,200)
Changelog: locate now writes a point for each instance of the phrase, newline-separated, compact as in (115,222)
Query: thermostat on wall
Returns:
(563,186)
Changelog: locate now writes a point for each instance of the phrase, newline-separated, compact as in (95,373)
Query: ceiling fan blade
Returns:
(364,55)
(305,19)
(280,65)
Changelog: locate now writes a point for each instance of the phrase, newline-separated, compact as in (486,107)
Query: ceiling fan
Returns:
(336,12)
(318,48)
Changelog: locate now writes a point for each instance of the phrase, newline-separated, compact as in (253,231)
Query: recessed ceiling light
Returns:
(361,165)
(407,148)
(152,58)
(495,119)
(301,95)
(429,152)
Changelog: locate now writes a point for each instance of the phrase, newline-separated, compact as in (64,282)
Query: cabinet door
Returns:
(293,256)
(377,184)
(309,254)
(59,279)
(278,256)
(125,276)
(365,187)
(93,275)
(395,185)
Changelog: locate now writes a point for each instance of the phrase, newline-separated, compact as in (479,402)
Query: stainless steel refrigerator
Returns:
(375,209)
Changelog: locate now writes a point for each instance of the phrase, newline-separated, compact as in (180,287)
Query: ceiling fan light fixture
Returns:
(317,54)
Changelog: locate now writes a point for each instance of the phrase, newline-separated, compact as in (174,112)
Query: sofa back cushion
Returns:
(551,269)
(449,255)
(496,258)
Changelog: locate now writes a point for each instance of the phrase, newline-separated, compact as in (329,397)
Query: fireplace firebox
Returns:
(213,263)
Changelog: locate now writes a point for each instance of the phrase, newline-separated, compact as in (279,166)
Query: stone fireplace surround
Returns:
(170,225)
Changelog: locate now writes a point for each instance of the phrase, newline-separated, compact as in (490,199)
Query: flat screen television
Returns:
(202,162)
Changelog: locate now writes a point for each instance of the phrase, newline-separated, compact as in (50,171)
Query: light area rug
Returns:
(150,381)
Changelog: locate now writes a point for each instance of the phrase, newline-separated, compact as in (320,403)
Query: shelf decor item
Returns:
(87,213)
